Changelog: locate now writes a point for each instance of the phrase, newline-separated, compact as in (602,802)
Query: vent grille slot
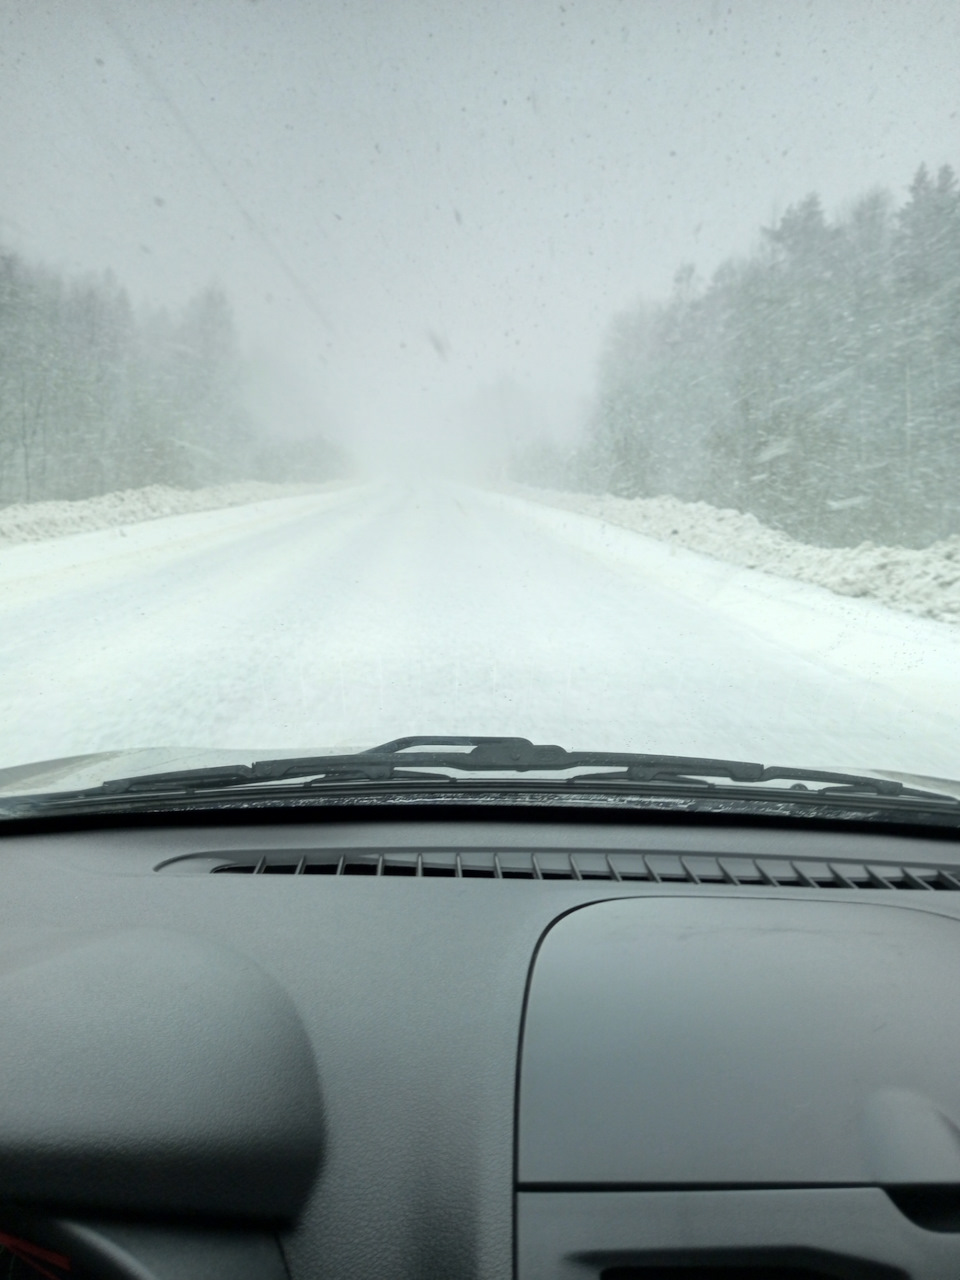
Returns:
(619,867)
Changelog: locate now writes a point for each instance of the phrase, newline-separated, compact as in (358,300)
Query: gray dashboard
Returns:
(461,1073)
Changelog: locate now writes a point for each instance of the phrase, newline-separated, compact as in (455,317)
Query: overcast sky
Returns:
(413,201)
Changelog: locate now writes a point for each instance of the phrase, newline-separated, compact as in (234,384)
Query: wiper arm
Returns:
(401,759)
(418,758)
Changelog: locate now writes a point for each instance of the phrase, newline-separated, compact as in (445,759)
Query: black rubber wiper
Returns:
(448,759)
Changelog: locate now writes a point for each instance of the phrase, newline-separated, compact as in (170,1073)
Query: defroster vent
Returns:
(576,865)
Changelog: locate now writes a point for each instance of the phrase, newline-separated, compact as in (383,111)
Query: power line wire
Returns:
(144,70)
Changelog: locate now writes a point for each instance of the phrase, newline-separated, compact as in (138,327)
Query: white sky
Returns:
(464,192)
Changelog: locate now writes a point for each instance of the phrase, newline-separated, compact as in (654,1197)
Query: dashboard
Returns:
(455,1045)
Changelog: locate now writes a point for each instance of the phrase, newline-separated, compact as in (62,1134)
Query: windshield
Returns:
(581,372)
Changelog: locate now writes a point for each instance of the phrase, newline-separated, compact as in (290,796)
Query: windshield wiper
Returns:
(452,761)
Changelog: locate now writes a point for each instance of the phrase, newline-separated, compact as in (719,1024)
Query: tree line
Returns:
(814,382)
(95,397)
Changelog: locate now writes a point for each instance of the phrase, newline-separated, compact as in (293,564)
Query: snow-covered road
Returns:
(353,616)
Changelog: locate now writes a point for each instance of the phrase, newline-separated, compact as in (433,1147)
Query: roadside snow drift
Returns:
(37,521)
(926,582)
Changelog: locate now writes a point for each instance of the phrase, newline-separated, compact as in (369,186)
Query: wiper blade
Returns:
(445,759)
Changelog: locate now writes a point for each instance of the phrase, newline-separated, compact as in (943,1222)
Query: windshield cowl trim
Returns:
(521,794)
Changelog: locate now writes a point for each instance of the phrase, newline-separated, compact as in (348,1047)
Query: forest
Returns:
(814,383)
(96,397)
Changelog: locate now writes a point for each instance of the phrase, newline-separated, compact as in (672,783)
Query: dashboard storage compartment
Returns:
(735,1042)
(721,1087)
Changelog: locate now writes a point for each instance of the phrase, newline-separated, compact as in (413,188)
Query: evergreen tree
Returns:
(94,398)
(815,383)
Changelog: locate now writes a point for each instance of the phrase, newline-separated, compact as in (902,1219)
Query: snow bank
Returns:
(926,582)
(35,521)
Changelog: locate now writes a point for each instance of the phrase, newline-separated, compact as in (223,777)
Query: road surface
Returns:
(346,618)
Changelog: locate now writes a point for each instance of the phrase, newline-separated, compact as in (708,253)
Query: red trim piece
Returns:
(30,1253)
